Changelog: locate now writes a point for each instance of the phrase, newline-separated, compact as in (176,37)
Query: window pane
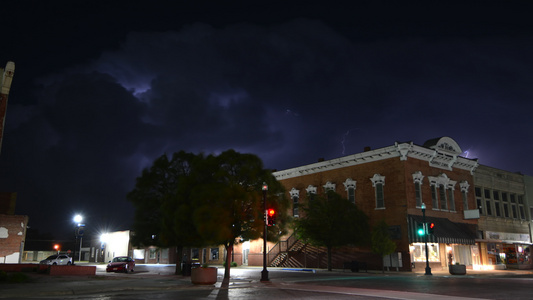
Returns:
(496,195)
(434,199)
(379,196)
(478,192)
(488,207)
(487,194)
(452,200)
(351,195)
(442,195)
(465,200)
(418,194)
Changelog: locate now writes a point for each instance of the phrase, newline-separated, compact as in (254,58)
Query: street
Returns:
(158,282)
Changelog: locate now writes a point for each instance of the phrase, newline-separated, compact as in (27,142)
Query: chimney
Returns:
(321,159)
(367,148)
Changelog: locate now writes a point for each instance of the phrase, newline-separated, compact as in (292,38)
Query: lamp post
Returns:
(79,233)
(428,269)
(264,273)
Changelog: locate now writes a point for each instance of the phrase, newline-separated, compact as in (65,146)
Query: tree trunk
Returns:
(179,259)
(229,251)
(329,259)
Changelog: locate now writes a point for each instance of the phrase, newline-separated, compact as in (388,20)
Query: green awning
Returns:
(445,231)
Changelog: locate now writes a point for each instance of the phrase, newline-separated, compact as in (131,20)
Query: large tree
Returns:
(163,207)
(229,207)
(196,200)
(332,221)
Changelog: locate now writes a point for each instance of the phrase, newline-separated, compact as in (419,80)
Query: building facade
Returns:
(503,235)
(392,184)
(12,230)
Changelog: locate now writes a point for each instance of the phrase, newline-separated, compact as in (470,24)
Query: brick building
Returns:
(391,183)
(12,230)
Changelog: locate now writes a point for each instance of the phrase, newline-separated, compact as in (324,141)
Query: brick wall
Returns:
(12,237)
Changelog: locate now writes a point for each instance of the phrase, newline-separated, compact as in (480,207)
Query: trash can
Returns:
(186,269)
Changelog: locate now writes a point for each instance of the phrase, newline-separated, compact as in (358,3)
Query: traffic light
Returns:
(431,227)
(420,230)
(271,217)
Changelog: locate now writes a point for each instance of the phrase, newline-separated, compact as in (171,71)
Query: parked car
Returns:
(121,264)
(57,259)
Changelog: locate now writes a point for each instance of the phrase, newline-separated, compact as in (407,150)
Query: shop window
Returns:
(195,254)
(418,252)
(214,254)
(152,253)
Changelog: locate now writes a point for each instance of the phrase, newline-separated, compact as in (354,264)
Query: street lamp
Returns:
(428,269)
(79,233)
(264,273)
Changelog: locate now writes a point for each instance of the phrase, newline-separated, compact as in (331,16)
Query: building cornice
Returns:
(403,151)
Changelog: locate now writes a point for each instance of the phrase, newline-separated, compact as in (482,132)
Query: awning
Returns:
(445,231)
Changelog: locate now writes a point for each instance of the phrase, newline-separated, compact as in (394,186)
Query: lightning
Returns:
(344,136)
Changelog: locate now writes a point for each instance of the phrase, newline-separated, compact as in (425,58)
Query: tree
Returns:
(228,203)
(197,200)
(332,221)
(163,208)
(381,241)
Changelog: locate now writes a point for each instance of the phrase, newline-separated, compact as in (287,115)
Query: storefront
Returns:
(506,251)
(451,243)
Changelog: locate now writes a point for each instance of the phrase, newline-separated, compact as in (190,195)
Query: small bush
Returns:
(233,264)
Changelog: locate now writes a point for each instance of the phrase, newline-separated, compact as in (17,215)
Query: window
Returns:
(521,207)
(464,193)
(488,207)
(349,186)
(513,206)
(295,196)
(417,178)
(378,182)
(451,198)
(479,200)
(505,205)
(311,192)
(214,254)
(434,199)
(329,187)
(442,195)
(152,253)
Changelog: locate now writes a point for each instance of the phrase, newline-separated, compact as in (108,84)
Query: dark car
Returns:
(58,259)
(121,264)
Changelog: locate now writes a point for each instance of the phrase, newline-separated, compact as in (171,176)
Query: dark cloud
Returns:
(291,91)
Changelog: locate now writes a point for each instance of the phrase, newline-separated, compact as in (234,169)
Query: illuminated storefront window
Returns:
(418,251)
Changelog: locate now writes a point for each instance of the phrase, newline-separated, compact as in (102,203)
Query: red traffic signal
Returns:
(431,228)
(271,217)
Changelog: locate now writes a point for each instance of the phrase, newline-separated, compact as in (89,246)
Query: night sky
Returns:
(102,88)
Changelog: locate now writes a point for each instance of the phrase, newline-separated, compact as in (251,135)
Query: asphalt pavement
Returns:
(161,278)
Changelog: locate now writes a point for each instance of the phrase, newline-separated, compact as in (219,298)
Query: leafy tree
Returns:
(229,206)
(197,200)
(332,221)
(381,241)
(163,214)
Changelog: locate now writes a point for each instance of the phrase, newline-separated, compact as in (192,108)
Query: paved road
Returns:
(158,282)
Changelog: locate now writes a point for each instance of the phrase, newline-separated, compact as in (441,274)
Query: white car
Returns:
(58,259)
